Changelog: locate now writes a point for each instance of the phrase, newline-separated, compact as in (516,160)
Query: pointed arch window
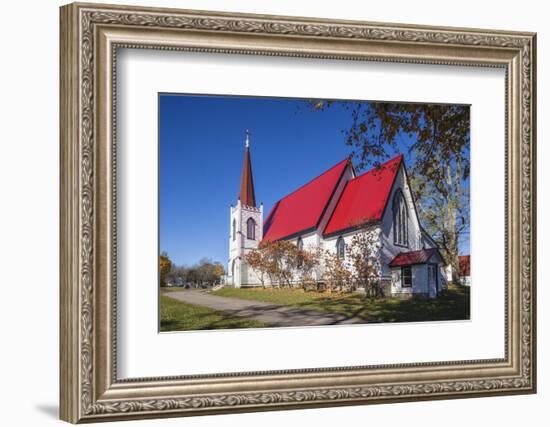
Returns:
(400,220)
(234,229)
(340,248)
(300,243)
(251,229)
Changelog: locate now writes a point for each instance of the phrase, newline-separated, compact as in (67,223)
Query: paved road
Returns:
(274,314)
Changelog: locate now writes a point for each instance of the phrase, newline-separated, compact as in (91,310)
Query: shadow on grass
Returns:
(180,316)
(296,308)
(453,304)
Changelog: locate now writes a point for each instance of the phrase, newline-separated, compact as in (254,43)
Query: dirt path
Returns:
(274,314)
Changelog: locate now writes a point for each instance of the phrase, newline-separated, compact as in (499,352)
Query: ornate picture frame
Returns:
(90,37)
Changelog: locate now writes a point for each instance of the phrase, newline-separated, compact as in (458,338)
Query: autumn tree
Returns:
(165,267)
(268,260)
(179,272)
(364,255)
(436,140)
(205,272)
(304,263)
(257,260)
(336,272)
(209,272)
(193,276)
(283,263)
(218,271)
(281,254)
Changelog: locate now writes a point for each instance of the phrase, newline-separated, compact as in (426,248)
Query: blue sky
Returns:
(201,155)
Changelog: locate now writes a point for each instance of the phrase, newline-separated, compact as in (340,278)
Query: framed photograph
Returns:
(346,245)
(266,213)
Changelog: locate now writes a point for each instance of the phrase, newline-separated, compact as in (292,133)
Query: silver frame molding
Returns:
(90,37)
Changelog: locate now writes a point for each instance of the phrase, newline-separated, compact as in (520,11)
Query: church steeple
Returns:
(246,224)
(246,193)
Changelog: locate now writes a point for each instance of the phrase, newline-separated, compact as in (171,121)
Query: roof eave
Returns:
(352,228)
(293,235)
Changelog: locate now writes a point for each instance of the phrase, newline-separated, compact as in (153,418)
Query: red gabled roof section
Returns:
(302,209)
(415,257)
(364,198)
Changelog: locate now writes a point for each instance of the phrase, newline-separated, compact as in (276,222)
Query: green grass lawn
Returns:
(453,304)
(180,316)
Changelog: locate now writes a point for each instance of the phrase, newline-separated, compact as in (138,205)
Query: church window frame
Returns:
(251,229)
(400,220)
(406,276)
(340,248)
(234,229)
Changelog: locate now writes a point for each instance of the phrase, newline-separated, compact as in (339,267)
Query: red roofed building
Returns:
(326,212)
(301,211)
(464,271)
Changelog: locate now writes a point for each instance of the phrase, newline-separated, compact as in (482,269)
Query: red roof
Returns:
(364,198)
(464,262)
(302,210)
(414,257)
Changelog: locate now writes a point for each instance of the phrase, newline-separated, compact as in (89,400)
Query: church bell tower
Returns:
(246,227)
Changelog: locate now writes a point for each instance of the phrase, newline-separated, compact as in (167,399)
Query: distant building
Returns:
(464,270)
(174,282)
(328,211)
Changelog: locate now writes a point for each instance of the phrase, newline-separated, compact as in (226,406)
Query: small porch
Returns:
(417,273)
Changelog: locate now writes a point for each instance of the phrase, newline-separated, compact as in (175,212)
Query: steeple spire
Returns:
(246,193)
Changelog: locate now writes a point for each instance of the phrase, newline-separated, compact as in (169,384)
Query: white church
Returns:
(328,211)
